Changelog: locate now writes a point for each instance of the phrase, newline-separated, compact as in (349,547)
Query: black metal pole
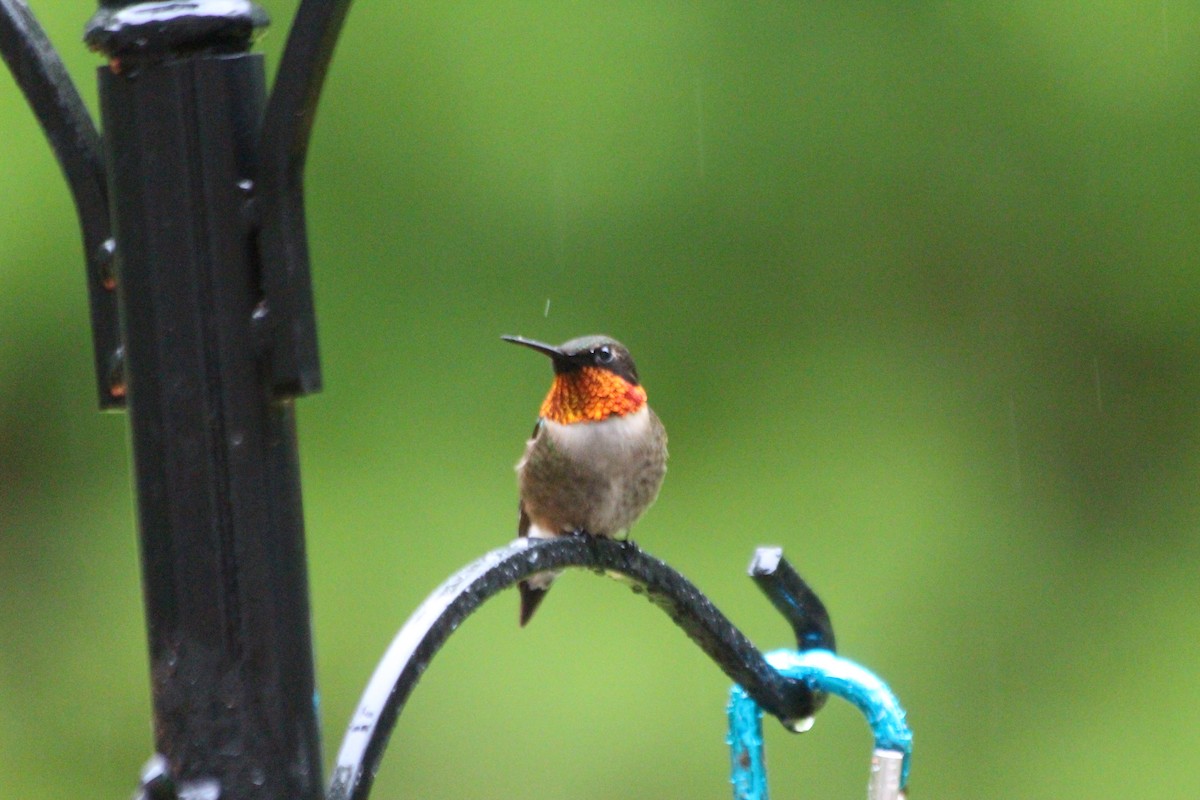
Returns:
(215,454)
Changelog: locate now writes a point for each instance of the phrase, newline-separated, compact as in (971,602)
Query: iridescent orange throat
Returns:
(591,394)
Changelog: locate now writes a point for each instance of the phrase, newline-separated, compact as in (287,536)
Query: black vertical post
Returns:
(215,453)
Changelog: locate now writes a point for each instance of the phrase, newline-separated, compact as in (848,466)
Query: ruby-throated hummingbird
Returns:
(597,455)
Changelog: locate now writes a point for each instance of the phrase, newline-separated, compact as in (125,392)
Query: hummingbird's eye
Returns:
(604,354)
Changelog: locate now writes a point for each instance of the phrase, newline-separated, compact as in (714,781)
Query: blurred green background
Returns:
(913,286)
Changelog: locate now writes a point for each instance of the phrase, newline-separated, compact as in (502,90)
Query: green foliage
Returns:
(913,287)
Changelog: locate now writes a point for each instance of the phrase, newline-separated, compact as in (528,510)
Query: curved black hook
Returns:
(450,604)
(287,126)
(76,143)
(791,596)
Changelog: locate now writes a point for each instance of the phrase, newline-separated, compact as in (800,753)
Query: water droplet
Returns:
(116,373)
(104,261)
(802,725)
(202,789)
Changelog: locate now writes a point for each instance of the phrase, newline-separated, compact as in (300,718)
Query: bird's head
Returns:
(594,378)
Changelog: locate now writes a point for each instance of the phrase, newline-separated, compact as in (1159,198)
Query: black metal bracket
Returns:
(127,32)
(287,313)
(76,143)
(448,607)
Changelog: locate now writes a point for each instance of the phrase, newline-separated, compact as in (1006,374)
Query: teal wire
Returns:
(825,672)
(747,770)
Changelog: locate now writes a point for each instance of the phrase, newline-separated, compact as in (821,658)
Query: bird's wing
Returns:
(523,522)
(531,595)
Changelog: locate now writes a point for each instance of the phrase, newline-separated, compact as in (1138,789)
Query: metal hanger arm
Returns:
(449,605)
(288,313)
(48,89)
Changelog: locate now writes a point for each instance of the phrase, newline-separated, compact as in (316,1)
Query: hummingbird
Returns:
(597,455)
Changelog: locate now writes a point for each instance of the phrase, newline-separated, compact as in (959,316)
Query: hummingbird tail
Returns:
(531,598)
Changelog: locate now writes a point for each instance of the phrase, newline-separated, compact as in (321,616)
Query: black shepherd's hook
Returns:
(451,603)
